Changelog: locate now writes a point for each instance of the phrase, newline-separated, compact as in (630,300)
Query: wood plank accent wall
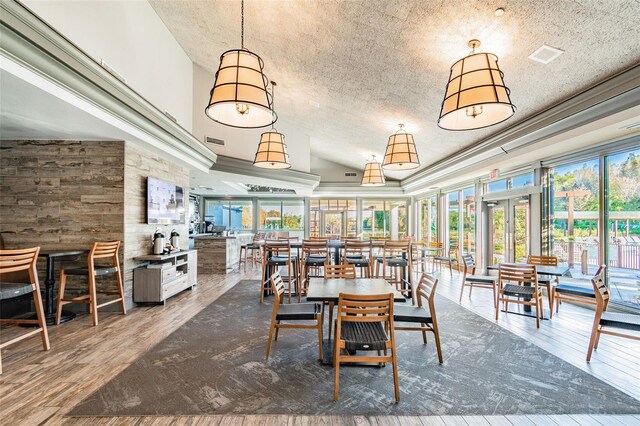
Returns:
(68,194)
(61,194)
(139,164)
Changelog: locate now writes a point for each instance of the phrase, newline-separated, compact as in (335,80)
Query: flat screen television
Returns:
(165,202)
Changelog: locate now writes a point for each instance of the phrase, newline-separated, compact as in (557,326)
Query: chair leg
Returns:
(538,310)
(264,270)
(396,385)
(93,299)
(330,318)
(277,329)
(336,367)
(121,291)
(493,288)
(497,306)
(271,328)
(595,333)
(63,282)
(550,296)
(42,323)
(424,332)
(436,337)
(319,320)
(462,291)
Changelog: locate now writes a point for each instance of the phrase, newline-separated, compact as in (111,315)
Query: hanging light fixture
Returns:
(401,151)
(372,175)
(239,97)
(272,151)
(476,96)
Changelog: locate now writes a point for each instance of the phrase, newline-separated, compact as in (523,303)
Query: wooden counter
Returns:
(219,255)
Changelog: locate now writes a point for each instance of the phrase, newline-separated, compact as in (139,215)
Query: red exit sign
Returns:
(493,174)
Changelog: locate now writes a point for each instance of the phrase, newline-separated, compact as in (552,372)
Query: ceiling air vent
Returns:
(171,117)
(214,141)
(545,54)
(634,126)
(350,174)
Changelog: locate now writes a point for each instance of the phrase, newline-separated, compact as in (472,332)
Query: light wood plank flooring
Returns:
(41,387)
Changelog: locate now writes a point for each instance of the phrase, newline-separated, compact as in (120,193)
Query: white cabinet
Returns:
(164,276)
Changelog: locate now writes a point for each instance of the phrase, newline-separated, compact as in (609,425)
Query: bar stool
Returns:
(276,254)
(248,252)
(314,255)
(396,258)
(99,250)
(358,253)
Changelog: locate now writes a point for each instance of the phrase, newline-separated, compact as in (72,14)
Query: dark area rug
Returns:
(215,364)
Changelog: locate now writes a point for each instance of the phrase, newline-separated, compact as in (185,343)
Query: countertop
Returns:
(214,237)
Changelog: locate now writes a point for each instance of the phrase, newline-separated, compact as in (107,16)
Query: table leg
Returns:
(49,284)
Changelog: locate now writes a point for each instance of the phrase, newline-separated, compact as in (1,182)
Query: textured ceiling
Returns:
(372,64)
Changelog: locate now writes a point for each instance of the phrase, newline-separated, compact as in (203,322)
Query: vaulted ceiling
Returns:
(349,71)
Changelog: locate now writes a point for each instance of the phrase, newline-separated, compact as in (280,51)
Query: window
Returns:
(469,220)
(234,214)
(429,219)
(498,185)
(281,215)
(519,181)
(384,219)
(333,218)
(453,216)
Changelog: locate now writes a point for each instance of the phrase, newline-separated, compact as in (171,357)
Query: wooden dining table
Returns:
(329,289)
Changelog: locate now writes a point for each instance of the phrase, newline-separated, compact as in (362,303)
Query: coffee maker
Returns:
(158,242)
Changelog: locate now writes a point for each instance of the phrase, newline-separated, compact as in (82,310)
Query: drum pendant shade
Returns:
(239,97)
(476,96)
(372,175)
(272,151)
(401,152)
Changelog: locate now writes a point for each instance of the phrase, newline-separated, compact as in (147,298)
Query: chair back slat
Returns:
(18,260)
(601,291)
(393,248)
(469,263)
(356,248)
(341,270)
(101,250)
(542,260)
(277,248)
(365,308)
(314,248)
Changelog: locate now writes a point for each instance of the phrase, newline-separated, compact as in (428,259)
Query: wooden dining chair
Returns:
(518,283)
(339,271)
(251,252)
(292,313)
(546,280)
(20,265)
(100,252)
(450,259)
(358,253)
(603,321)
(423,315)
(365,323)
(578,294)
(471,280)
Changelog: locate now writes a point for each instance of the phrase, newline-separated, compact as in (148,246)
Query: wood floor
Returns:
(40,387)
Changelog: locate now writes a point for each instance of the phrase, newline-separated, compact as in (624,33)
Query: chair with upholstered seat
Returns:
(251,252)
(450,259)
(603,321)
(424,316)
(470,279)
(292,313)
(396,265)
(545,279)
(518,283)
(277,254)
(359,254)
(100,251)
(315,253)
(17,266)
(365,323)
(578,294)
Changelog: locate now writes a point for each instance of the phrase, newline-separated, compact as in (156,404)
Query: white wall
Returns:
(131,38)
(242,143)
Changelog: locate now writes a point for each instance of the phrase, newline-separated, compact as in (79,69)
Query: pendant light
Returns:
(272,151)
(372,175)
(239,97)
(401,151)
(476,96)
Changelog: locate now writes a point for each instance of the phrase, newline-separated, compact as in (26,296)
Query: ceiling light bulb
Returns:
(242,108)
(499,11)
(473,111)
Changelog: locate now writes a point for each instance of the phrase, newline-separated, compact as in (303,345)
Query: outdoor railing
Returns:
(621,254)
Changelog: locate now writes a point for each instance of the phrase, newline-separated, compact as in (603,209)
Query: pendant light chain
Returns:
(273,100)
(242,24)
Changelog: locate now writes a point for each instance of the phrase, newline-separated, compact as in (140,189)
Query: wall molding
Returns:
(32,44)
